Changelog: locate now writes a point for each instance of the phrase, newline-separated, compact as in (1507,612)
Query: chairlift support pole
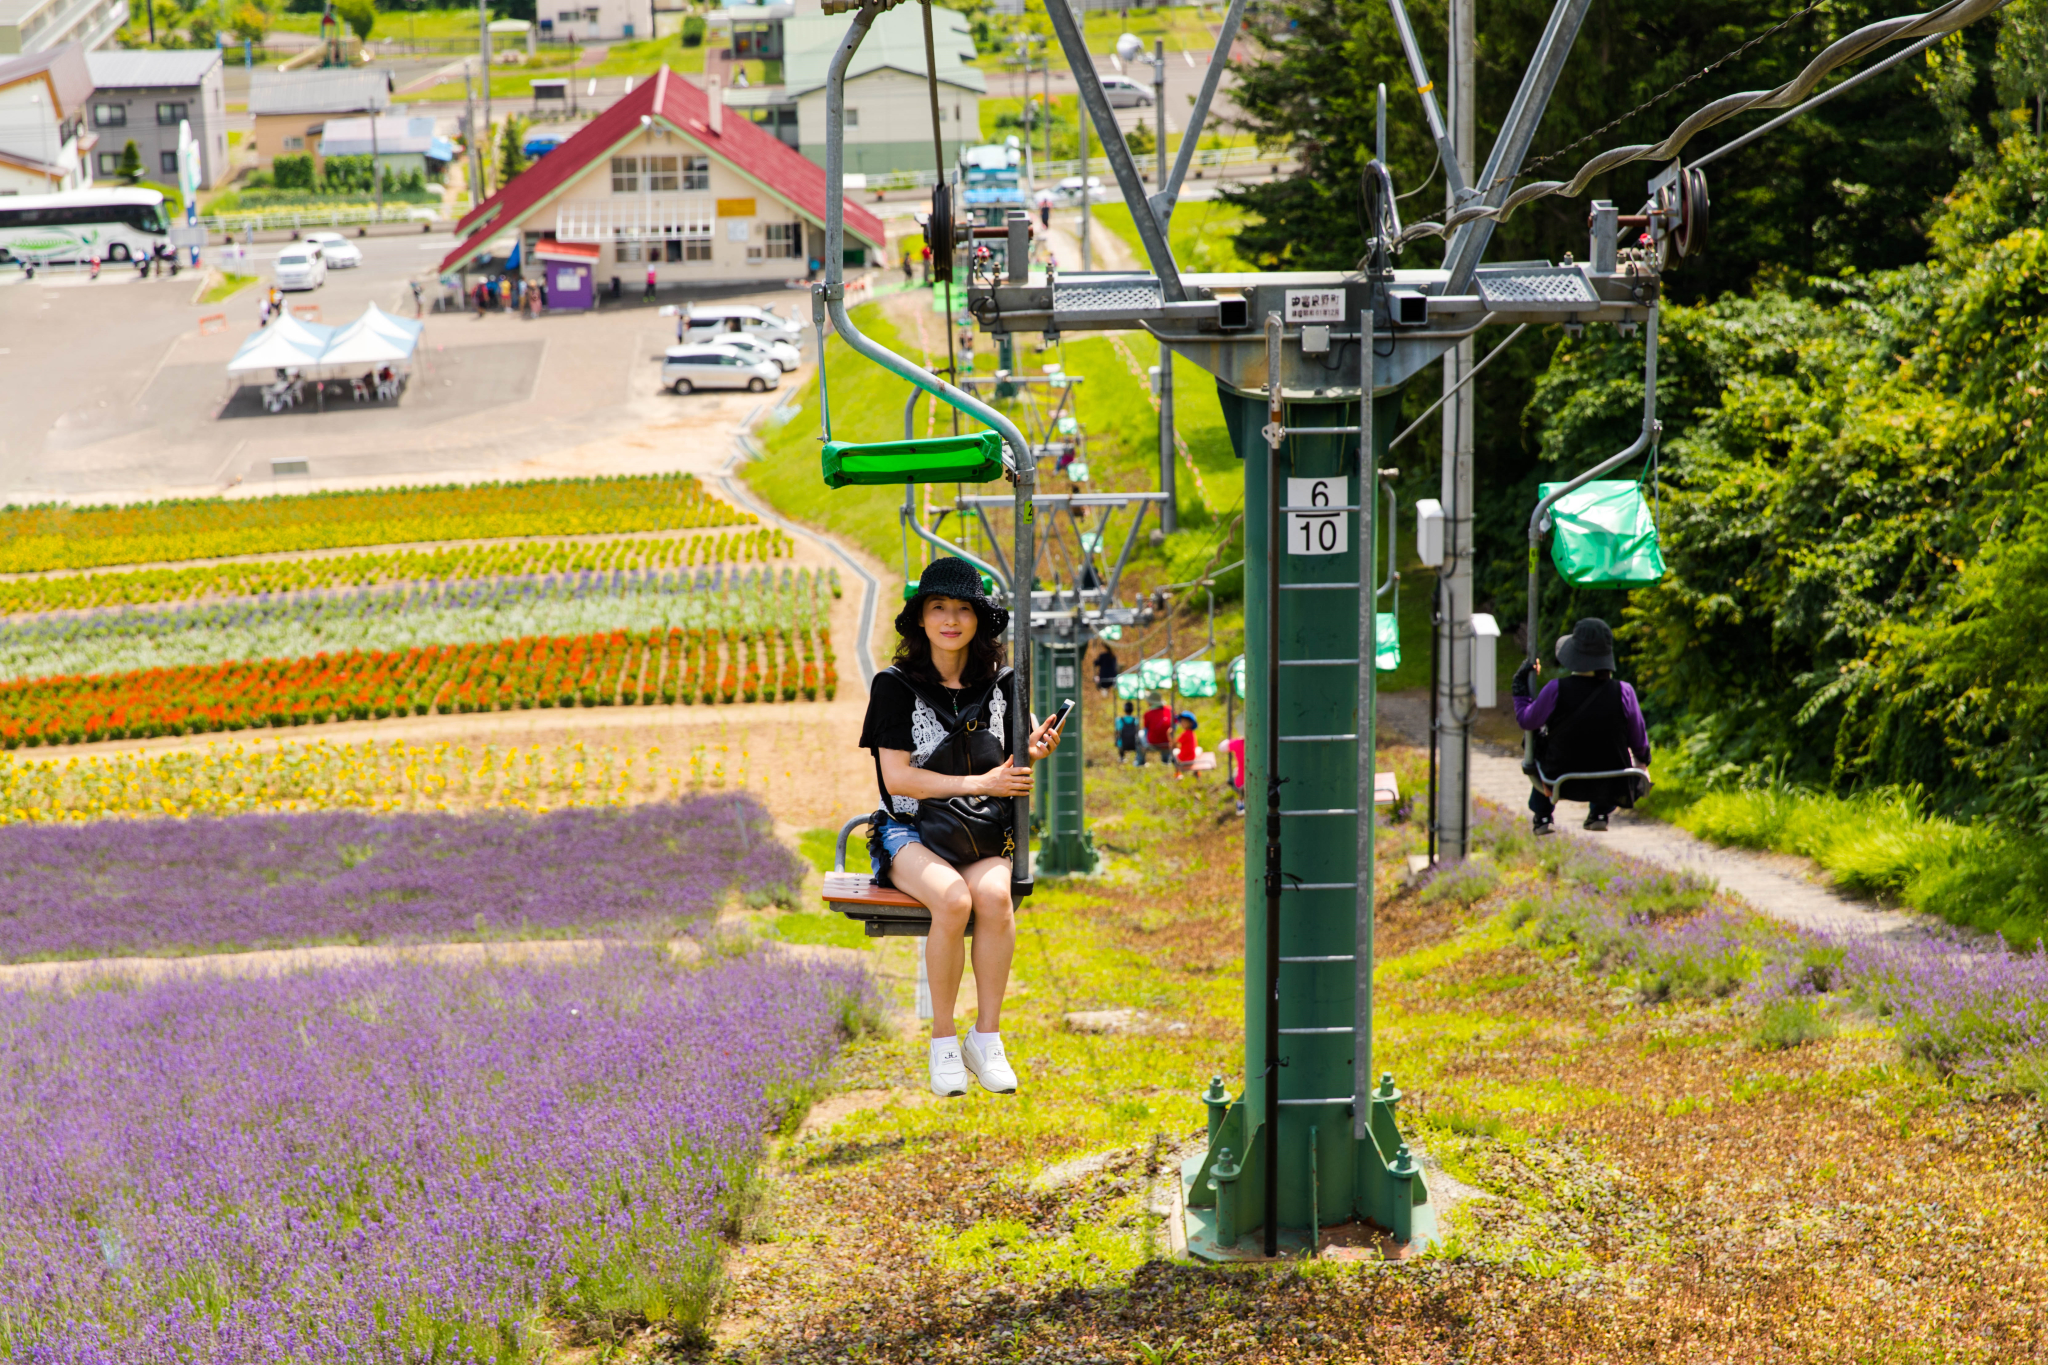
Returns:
(829,299)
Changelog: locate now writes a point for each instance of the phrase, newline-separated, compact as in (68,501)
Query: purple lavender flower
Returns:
(250,881)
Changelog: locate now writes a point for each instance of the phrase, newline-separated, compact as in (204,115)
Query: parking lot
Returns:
(113,389)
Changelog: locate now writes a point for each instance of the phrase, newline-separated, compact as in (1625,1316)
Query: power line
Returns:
(1658,99)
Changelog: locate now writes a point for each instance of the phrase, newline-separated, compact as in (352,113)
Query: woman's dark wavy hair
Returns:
(914,651)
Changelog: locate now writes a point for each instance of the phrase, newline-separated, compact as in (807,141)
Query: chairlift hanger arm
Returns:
(830,299)
(1447,155)
(1651,428)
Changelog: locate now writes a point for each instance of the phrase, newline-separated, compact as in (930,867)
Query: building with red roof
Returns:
(670,180)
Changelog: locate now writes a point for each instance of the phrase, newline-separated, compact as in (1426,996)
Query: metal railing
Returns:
(300,216)
(1205,158)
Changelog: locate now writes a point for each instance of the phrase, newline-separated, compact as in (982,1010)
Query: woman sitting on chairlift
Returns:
(938,724)
(1587,722)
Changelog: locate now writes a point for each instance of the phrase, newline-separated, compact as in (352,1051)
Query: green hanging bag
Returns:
(973,458)
(1603,535)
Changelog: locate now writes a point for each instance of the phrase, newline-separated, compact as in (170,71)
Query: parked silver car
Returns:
(687,368)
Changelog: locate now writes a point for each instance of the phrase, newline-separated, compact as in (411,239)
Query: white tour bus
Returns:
(116,224)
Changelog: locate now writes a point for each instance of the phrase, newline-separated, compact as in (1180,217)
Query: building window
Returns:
(110,163)
(853,118)
(168,114)
(625,175)
(661,172)
(697,173)
(568,16)
(697,244)
(295,144)
(629,250)
(167,162)
(782,239)
(110,115)
(589,16)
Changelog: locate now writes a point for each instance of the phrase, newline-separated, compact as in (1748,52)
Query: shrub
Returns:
(1791,1021)
(131,161)
(293,171)
(693,30)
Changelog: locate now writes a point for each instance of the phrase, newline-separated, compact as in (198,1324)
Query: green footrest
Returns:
(940,459)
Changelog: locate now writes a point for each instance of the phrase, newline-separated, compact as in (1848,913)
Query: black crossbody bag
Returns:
(959,829)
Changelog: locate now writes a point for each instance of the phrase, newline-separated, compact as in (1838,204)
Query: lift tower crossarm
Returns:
(1426,89)
(1169,194)
(1151,234)
(1517,132)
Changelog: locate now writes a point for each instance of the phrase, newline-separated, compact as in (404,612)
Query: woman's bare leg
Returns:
(995,938)
(923,875)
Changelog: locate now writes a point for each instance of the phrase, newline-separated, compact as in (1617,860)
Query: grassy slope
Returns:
(1642,1173)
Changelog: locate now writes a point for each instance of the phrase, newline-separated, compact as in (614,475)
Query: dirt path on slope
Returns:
(1784,887)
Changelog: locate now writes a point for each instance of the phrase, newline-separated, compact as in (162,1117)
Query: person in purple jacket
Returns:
(1587,722)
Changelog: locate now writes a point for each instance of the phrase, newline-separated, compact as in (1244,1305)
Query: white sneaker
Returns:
(983,1054)
(949,1078)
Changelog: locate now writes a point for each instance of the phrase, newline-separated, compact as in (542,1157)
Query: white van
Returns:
(685,369)
(705,321)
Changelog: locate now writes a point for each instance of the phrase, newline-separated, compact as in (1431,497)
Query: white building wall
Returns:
(29,127)
(604,19)
(889,123)
(730,219)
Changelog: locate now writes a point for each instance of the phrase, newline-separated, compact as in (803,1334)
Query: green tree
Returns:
(131,161)
(693,30)
(249,23)
(512,149)
(359,15)
(293,171)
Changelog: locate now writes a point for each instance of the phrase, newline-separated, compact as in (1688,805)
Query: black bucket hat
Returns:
(1590,646)
(949,576)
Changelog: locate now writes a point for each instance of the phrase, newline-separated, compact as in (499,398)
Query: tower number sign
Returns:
(1310,529)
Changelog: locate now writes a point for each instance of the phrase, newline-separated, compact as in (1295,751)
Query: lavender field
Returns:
(393,1163)
(164,887)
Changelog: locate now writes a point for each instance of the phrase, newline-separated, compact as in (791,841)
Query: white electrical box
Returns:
(1429,532)
(1485,659)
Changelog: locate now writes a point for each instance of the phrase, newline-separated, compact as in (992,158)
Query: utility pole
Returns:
(1159,107)
(483,28)
(1454,707)
(476,179)
(1082,120)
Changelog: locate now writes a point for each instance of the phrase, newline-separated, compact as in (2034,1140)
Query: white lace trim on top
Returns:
(926,734)
(996,708)
(903,805)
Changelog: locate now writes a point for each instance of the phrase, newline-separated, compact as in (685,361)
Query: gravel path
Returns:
(1781,886)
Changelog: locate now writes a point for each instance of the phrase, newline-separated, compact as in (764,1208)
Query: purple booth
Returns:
(568,268)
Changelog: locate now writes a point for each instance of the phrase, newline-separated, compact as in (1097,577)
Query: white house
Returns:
(670,179)
(45,143)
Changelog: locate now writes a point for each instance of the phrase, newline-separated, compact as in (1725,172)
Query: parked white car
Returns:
(759,348)
(299,267)
(1069,190)
(337,251)
(704,322)
(1124,93)
(688,368)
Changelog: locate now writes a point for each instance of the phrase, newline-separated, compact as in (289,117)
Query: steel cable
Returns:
(1947,19)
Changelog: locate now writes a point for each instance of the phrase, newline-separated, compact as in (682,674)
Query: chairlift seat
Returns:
(882,911)
(972,458)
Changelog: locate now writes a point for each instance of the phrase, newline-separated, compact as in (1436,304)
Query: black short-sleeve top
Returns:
(899,719)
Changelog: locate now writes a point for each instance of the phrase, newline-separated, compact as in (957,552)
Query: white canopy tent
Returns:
(375,338)
(286,344)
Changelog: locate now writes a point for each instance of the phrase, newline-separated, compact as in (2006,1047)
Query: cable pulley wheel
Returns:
(939,232)
(1693,207)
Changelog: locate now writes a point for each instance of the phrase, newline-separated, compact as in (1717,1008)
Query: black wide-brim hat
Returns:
(1590,646)
(950,576)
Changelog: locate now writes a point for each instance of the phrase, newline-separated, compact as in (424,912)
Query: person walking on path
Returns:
(938,725)
(1588,722)
(1158,731)
(648,297)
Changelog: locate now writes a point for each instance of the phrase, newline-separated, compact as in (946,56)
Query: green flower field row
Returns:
(620,668)
(36,538)
(371,568)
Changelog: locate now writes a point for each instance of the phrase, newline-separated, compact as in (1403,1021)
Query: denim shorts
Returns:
(895,834)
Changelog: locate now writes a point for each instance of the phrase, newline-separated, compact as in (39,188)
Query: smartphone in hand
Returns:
(1060,719)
